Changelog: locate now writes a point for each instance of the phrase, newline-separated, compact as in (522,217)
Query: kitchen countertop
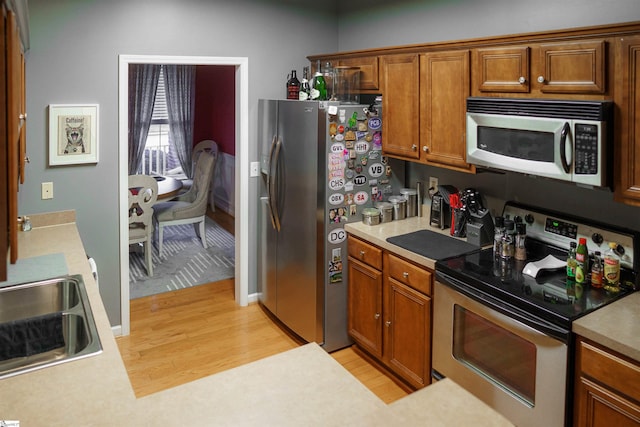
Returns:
(614,326)
(303,386)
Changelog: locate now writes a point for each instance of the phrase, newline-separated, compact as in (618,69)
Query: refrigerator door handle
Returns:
(274,185)
(270,182)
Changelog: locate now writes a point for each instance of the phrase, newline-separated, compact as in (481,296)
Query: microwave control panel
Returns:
(586,149)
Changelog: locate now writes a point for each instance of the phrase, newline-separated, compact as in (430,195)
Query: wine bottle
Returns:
(305,89)
(293,86)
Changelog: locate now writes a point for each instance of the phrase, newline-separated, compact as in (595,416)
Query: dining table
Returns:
(167,186)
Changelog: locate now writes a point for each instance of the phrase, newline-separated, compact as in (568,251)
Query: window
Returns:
(159,155)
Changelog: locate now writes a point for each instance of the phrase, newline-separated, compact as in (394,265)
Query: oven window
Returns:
(495,353)
(516,143)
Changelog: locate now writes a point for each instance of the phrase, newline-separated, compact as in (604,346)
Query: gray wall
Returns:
(408,22)
(74,59)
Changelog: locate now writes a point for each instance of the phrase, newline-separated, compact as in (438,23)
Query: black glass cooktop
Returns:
(549,296)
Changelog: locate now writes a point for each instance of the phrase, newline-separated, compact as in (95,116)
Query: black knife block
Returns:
(480,228)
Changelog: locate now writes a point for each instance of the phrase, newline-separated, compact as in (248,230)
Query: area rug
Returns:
(185,262)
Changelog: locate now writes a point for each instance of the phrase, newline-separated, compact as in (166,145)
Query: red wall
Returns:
(215,106)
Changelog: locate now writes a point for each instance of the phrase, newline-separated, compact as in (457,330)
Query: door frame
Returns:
(241,169)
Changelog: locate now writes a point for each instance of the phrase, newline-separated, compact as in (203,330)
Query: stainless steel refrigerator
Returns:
(321,165)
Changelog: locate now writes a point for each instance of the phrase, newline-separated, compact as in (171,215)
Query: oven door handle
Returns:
(535,322)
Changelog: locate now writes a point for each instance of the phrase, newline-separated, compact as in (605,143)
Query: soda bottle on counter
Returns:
(596,270)
(611,267)
(293,86)
(582,260)
(571,261)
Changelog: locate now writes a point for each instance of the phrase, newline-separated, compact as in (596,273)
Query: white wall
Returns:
(74,59)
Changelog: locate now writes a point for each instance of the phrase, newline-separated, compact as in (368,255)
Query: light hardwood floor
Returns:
(180,336)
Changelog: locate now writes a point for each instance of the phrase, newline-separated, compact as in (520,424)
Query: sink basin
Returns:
(44,324)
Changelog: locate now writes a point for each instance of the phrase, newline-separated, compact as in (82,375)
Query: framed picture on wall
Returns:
(73,134)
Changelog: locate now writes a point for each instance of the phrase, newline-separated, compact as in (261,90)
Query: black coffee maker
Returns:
(440,207)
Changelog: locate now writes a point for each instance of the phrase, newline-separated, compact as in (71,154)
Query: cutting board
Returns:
(432,245)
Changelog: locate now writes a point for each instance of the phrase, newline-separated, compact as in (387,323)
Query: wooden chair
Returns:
(190,207)
(143,193)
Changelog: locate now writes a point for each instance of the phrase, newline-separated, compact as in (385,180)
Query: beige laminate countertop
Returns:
(614,326)
(303,386)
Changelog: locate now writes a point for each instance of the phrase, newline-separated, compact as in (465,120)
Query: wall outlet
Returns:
(433,183)
(47,190)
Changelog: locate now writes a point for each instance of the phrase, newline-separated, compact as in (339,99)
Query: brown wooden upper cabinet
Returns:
(627,119)
(368,70)
(401,105)
(541,68)
(423,102)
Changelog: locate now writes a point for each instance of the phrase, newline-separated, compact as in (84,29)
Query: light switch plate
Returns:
(47,190)
(255,169)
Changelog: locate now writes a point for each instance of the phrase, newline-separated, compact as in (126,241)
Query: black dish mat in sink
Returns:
(432,245)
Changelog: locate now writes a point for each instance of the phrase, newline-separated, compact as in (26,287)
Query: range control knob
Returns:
(529,218)
(597,238)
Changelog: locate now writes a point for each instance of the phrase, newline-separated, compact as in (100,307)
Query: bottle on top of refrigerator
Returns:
(611,266)
(318,86)
(329,80)
(571,261)
(293,86)
(305,89)
(582,260)
(596,271)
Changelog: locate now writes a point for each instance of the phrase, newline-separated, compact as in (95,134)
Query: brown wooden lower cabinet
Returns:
(390,311)
(607,387)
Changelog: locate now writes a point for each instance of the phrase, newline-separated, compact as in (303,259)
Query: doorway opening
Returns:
(241,169)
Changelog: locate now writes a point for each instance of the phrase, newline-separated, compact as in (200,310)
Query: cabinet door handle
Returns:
(414,147)
(387,323)
(405,274)
(540,79)
(361,254)
(425,148)
(522,80)
(376,316)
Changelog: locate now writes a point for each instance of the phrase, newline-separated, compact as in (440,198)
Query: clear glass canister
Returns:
(347,84)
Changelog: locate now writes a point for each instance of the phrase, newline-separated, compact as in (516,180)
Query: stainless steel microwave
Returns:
(560,139)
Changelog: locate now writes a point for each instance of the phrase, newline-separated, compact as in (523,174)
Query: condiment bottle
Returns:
(497,237)
(582,260)
(611,266)
(507,240)
(571,261)
(520,252)
(596,270)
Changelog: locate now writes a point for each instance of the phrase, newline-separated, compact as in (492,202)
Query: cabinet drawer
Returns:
(610,369)
(409,274)
(365,252)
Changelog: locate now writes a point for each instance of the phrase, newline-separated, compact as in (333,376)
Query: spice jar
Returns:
(520,252)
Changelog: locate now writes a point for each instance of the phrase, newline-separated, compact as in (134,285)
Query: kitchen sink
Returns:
(45,323)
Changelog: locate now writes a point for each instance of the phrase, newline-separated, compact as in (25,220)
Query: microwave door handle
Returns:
(563,147)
